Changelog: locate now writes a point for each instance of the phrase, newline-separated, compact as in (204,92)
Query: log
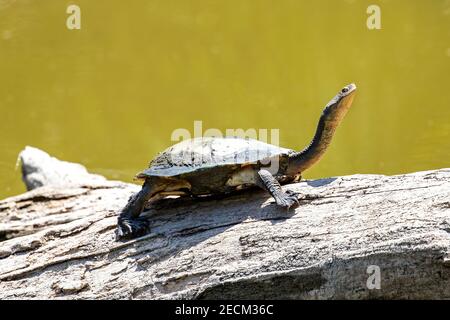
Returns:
(351,237)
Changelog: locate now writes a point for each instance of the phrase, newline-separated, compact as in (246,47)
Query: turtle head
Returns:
(336,109)
(330,119)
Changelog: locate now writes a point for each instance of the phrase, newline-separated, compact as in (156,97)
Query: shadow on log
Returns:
(58,241)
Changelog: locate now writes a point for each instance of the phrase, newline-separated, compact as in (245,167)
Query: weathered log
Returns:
(58,240)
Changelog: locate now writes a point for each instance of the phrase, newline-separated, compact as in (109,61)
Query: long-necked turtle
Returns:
(208,166)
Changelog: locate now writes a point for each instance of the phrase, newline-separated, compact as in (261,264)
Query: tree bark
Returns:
(57,240)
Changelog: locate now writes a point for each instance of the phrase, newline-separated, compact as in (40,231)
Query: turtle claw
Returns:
(290,192)
(287,199)
(131,228)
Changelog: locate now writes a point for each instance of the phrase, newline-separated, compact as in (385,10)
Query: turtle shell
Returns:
(203,153)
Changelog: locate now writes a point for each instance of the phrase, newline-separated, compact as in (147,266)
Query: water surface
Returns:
(110,95)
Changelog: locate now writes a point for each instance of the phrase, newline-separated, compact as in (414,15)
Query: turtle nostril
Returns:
(344,90)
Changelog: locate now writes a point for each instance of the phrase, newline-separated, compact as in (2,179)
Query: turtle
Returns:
(208,166)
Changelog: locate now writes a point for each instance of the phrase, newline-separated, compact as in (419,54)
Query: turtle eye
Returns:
(344,90)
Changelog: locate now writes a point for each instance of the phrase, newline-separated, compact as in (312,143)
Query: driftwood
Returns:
(58,240)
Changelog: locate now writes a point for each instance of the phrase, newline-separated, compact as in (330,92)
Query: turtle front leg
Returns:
(268,182)
(129,224)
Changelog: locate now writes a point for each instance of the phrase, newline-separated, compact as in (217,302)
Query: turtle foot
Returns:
(287,199)
(131,228)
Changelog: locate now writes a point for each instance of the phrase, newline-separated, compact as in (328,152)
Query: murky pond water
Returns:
(110,94)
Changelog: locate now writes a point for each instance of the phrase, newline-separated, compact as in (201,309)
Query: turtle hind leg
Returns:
(131,228)
(268,182)
(129,224)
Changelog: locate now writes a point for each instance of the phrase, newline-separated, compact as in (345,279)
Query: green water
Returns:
(110,95)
